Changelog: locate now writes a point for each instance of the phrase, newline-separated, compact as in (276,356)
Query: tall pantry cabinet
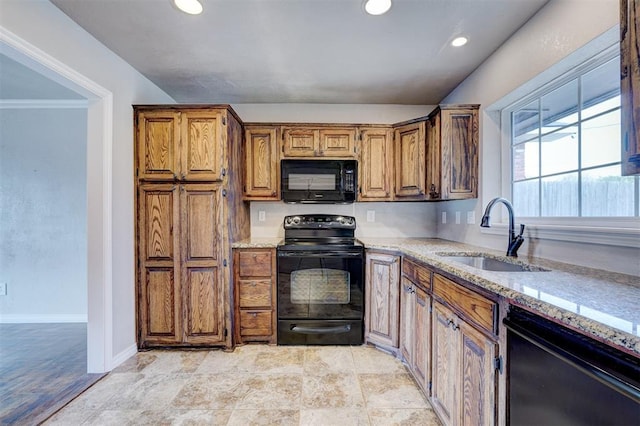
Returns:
(189,209)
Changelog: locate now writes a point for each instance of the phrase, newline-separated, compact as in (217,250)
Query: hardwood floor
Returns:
(42,368)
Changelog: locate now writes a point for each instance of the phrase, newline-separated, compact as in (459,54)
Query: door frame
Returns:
(99,192)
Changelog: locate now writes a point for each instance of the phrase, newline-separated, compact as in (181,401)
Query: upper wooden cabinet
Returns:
(375,170)
(409,151)
(306,141)
(630,85)
(452,153)
(184,145)
(261,167)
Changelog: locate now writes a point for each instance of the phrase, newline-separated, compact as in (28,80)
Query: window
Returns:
(565,147)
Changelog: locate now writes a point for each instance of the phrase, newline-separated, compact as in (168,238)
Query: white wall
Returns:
(43,215)
(548,44)
(391,219)
(41,24)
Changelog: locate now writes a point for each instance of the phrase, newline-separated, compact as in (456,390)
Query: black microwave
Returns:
(319,181)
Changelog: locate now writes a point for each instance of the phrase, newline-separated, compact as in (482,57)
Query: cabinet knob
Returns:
(432,192)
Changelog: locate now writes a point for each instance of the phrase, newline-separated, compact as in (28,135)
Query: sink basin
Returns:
(492,264)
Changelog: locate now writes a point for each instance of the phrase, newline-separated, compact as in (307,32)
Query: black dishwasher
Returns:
(559,377)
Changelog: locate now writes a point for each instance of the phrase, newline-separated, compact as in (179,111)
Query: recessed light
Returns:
(192,7)
(377,7)
(459,41)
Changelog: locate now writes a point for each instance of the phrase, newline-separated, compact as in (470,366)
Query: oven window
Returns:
(309,181)
(320,286)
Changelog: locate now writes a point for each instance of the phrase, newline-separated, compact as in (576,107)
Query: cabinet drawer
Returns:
(475,307)
(254,293)
(255,323)
(416,273)
(255,263)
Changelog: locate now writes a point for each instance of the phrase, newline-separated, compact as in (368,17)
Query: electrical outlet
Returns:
(262,216)
(444,217)
(371,215)
(471,217)
(457,218)
(3,289)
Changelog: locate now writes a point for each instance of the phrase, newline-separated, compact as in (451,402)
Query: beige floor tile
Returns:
(402,417)
(391,391)
(184,417)
(334,417)
(97,395)
(264,417)
(138,362)
(68,417)
(211,391)
(115,418)
(278,359)
(271,392)
(241,360)
(332,390)
(319,360)
(149,393)
(367,359)
(170,362)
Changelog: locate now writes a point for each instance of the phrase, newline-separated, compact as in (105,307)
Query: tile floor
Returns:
(254,385)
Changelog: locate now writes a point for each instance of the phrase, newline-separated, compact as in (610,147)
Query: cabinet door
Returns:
(459,153)
(422,338)
(407,302)
(261,178)
(376,164)
(478,378)
(337,142)
(410,161)
(630,86)
(202,285)
(202,145)
(159,298)
(444,376)
(157,145)
(382,299)
(299,142)
(433,172)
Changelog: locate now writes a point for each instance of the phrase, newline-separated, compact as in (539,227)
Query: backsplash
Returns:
(390,220)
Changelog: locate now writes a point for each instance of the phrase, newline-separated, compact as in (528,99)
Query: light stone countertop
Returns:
(602,304)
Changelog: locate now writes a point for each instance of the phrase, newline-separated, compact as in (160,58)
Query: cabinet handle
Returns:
(223,172)
(454,326)
(224,192)
(432,192)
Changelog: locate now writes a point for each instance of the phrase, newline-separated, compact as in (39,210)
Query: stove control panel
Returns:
(319,221)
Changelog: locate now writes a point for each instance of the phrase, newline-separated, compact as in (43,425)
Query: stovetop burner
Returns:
(319,232)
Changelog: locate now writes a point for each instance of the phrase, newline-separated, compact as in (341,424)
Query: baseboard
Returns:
(33,319)
(123,356)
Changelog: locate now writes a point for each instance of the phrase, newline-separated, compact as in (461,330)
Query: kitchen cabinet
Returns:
(415,335)
(186,194)
(329,141)
(409,151)
(382,299)
(630,85)
(180,144)
(181,285)
(452,152)
(375,169)
(261,165)
(255,295)
(464,377)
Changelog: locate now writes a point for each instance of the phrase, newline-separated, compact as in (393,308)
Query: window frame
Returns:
(615,231)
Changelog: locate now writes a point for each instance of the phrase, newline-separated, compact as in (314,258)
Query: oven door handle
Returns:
(318,254)
(321,330)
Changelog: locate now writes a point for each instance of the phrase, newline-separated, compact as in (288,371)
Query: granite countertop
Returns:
(602,304)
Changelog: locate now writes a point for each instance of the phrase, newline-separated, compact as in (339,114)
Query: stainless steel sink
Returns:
(492,264)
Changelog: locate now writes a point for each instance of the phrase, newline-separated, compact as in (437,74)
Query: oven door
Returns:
(320,298)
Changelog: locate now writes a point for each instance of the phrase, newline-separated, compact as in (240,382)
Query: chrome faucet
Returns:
(515,241)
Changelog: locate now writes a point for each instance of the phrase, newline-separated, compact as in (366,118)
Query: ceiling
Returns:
(303,51)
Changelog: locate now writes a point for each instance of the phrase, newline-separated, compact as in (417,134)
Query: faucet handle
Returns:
(521,229)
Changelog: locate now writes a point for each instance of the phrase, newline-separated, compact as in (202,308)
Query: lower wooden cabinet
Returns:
(464,374)
(181,293)
(255,295)
(382,301)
